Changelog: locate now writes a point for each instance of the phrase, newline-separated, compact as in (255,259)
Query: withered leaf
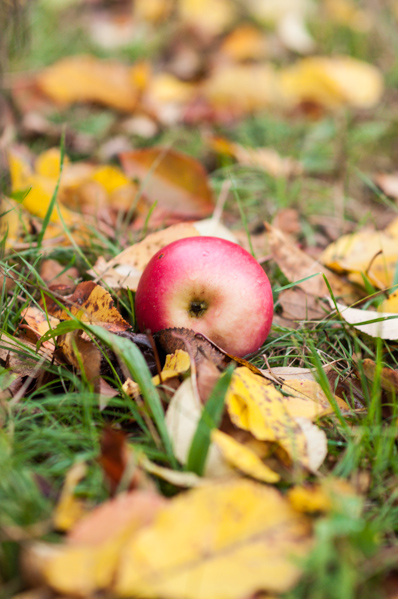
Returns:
(91,303)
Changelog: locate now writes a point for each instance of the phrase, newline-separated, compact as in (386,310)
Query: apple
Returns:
(210,285)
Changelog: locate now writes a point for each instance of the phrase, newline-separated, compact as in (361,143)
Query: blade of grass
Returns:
(210,419)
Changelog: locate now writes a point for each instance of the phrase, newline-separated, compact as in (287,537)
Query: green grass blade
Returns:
(210,419)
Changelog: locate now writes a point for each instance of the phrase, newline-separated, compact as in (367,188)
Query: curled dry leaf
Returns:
(177,182)
(80,352)
(375,324)
(91,303)
(241,528)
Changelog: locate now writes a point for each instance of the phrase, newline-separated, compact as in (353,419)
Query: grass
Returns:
(49,429)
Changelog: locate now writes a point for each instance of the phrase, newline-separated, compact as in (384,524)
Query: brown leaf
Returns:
(177,182)
(389,377)
(50,271)
(114,456)
(296,265)
(299,305)
(169,340)
(91,303)
(82,353)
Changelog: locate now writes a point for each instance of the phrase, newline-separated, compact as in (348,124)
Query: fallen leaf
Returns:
(95,545)
(330,494)
(243,458)
(89,79)
(266,159)
(182,418)
(91,303)
(209,17)
(80,352)
(388,377)
(174,477)
(52,272)
(177,182)
(125,269)
(296,265)
(69,509)
(317,443)
(255,405)
(388,183)
(175,364)
(241,528)
(372,253)
(375,324)
(313,391)
(299,305)
(332,82)
(245,42)
(390,304)
(287,373)
(240,89)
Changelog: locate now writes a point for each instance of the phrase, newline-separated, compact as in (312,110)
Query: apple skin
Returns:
(210,285)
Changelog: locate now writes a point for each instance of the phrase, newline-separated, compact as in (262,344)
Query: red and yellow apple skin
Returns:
(210,285)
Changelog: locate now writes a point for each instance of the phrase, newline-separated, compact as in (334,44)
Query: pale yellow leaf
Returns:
(390,304)
(243,458)
(175,364)
(321,497)
(312,391)
(317,443)
(227,540)
(211,17)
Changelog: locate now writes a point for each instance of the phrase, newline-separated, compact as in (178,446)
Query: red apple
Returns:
(210,285)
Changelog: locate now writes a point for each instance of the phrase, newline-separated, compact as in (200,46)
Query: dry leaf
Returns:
(94,547)
(374,254)
(255,405)
(90,303)
(80,352)
(388,377)
(386,326)
(332,82)
(209,17)
(299,305)
(246,42)
(313,391)
(174,477)
(390,304)
(266,159)
(124,271)
(177,182)
(182,418)
(287,373)
(175,364)
(69,510)
(330,494)
(243,458)
(297,265)
(89,79)
(317,443)
(239,537)
(238,89)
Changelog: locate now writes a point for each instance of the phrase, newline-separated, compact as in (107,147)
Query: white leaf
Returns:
(317,443)
(386,326)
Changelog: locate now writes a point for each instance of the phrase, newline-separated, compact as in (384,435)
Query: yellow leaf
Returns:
(110,177)
(310,391)
(245,43)
(390,304)
(69,509)
(95,544)
(175,364)
(48,163)
(210,16)
(89,79)
(227,540)
(323,497)
(256,406)
(243,458)
(372,253)
(332,82)
(242,88)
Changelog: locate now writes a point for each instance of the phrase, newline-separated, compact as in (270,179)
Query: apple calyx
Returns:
(197,308)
